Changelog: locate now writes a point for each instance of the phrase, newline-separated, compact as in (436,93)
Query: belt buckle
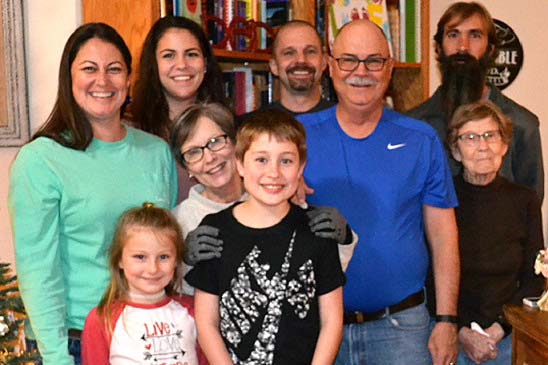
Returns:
(360,318)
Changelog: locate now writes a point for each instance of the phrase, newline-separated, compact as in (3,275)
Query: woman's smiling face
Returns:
(216,169)
(181,65)
(100,80)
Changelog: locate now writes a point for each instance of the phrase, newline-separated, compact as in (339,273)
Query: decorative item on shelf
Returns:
(541,267)
(12,314)
(240,28)
(340,12)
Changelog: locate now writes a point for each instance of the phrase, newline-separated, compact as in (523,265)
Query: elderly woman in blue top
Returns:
(69,185)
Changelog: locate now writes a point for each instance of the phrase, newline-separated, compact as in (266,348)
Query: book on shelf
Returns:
(277,12)
(394,23)
(320,17)
(418,21)
(248,89)
(215,31)
(240,87)
(191,9)
(410,30)
(341,12)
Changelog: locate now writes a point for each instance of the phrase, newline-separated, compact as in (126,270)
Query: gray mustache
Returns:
(361,81)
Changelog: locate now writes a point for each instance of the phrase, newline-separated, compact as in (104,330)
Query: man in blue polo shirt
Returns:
(388,175)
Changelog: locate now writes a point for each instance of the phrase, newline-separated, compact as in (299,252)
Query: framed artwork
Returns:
(14,117)
(340,12)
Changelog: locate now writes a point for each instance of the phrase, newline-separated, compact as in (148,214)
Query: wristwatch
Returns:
(448,318)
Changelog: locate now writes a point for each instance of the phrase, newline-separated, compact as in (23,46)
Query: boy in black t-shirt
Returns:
(275,295)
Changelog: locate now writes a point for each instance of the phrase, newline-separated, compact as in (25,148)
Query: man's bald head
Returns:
(360,43)
(363,28)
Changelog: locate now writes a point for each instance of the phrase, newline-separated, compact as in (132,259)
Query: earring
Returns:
(190,176)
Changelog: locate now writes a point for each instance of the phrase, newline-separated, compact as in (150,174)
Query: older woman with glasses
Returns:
(202,141)
(500,233)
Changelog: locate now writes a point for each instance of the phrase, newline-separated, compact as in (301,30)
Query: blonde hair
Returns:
(160,221)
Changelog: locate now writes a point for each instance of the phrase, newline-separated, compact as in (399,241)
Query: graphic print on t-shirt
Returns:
(162,344)
(241,305)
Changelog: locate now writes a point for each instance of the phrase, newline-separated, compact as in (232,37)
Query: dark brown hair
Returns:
(67,124)
(150,108)
(461,11)
(275,123)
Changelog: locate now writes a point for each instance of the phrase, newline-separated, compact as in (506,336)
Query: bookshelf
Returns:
(410,81)
(133,19)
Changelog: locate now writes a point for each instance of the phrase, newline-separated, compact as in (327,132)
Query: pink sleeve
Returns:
(188,302)
(95,343)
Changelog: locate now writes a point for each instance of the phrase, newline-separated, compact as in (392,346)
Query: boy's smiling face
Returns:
(271,170)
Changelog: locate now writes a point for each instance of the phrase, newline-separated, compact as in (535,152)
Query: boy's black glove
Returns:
(202,244)
(327,222)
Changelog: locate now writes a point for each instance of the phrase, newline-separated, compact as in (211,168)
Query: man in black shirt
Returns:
(298,61)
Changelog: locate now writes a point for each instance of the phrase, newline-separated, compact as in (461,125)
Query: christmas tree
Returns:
(12,313)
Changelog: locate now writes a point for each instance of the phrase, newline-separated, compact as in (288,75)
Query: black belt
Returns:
(359,317)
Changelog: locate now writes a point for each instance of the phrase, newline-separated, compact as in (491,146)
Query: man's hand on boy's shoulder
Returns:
(299,198)
(327,222)
(201,244)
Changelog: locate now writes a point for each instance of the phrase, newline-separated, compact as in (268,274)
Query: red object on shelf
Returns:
(240,27)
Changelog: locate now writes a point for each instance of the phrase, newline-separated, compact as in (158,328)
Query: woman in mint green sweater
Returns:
(69,185)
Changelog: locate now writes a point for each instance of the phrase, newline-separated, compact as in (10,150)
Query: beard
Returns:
(299,83)
(463,79)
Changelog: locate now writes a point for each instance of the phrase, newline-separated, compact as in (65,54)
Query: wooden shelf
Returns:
(401,65)
(223,54)
(226,55)
(133,20)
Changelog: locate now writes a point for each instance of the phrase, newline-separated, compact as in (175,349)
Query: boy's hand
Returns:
(202,244)
(327,222)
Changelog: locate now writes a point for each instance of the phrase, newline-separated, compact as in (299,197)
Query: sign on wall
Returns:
(509,59)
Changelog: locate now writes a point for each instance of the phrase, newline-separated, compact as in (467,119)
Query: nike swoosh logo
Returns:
(394,146)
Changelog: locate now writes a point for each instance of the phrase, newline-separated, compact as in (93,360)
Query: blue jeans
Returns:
(73,348)
(400,338)
(504,354)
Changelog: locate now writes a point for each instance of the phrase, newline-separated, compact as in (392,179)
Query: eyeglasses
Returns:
(473,139)
(350,63)
(214,144)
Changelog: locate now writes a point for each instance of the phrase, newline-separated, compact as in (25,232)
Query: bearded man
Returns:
(466,45)
(298,61)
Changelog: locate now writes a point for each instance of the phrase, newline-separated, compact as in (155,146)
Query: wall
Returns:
(49,23)
(47,27)
(528,20)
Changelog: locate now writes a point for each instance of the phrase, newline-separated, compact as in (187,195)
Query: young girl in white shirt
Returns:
(140,319)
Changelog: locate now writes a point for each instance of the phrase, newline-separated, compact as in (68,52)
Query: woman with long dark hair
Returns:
(177,69)
(69,185)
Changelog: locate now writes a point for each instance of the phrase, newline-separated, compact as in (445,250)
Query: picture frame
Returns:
(14,116)
(340,12)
